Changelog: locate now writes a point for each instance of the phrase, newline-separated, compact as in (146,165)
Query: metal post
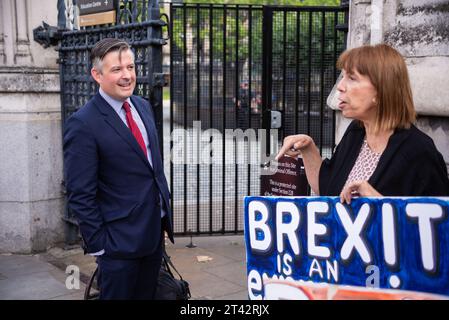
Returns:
(211,73)
(71,229)
(223,182)
(267,74)
(344,4)
(171,111)
(62,22)
(198,108)
(155,68)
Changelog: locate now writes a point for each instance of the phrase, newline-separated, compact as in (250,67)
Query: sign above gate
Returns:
(96,12)
(95,6)
(97,19)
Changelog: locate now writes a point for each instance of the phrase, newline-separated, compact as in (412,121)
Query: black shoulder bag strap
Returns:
(169,264)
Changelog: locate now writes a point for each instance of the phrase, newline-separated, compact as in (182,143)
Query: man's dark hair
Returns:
(103,47)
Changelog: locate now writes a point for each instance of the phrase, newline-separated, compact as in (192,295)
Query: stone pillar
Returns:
(419,30)
(22,45)
(2,37)
(31,201)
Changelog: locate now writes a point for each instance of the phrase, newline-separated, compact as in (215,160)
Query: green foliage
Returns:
(272,2)
(224,33)
(248,29)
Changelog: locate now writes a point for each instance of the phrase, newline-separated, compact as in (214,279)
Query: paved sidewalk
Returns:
(29,277)
(220,275)
(223,277)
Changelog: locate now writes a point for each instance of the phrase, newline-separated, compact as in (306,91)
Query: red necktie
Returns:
(132,125)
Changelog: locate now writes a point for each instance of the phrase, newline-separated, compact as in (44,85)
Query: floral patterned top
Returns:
(365,164)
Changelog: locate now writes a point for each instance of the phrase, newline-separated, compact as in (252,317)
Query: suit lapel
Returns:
(112,118)
(395,141)
(350,153)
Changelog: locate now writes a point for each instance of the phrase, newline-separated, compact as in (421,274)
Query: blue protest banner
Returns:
(385,243)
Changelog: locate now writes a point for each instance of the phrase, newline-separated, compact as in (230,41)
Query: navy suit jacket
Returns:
(112,188)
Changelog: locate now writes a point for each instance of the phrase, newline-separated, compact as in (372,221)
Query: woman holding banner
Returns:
(381,153)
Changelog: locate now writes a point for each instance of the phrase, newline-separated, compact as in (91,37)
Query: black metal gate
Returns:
(213,50)
(230,66)
(300,48)
(139,23)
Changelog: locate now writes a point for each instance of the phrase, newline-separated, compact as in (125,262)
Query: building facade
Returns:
(31,198)
(31,172)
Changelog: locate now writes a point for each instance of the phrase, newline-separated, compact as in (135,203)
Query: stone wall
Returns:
(31,201)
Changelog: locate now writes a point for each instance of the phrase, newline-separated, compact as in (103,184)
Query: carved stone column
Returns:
(7,20)
(31,199)
(2,37)
(22,44)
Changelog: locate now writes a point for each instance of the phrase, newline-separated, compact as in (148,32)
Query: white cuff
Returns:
(98,253)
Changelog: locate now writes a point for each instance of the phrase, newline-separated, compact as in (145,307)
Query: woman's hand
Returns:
(293,145)
(304,145)
(358,188)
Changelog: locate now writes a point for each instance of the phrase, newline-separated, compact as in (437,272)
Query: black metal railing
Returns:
(229,65)
(214,50)
(300,50)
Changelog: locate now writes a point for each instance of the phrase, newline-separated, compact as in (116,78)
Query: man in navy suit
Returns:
(115,178)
